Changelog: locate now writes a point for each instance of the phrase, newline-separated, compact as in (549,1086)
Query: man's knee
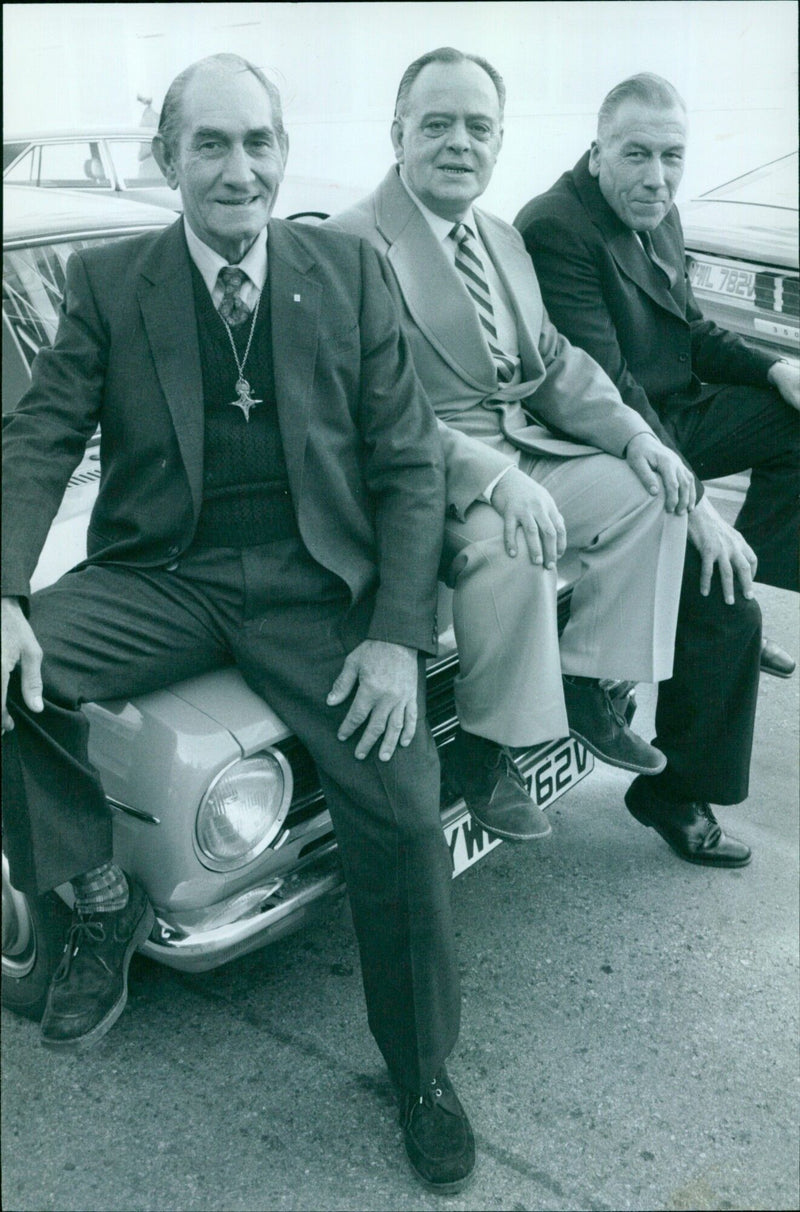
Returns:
(475,550)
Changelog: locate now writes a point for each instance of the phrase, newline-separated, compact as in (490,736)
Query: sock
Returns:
(103,890)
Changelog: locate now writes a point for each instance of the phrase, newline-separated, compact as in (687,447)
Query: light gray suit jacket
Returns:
(567,396)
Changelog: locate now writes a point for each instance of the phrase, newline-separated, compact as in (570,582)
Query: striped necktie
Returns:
(232,308)
(470,266)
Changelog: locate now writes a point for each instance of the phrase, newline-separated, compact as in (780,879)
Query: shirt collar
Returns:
(440,227)
(209,262)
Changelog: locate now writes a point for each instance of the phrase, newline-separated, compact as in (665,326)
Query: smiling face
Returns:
(229,160)
(639,161)
(449,135)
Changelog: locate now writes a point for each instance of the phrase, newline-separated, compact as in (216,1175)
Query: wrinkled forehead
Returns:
(655,127)
(224,98)
(454,88)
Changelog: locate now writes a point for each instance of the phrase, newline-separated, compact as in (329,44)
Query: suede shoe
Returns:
(438,1136)
(688,826)
(595,721)
(90,986)
(775,660)
(488,778)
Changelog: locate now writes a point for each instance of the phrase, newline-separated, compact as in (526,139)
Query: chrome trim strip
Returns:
(137,812)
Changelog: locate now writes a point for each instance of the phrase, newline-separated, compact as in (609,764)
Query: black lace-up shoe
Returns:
(90,987)
(438,1137)
(596,722)
(688,826)
(488,778)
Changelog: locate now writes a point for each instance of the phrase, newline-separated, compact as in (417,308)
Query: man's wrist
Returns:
(486,495)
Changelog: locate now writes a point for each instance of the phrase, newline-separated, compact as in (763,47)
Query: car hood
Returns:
(745,231)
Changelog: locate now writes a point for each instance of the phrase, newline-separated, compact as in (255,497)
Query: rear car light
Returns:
(243,810)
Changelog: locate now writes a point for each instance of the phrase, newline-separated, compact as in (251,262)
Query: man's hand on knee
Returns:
(524,504)
(652,461)
(20,648)
(721,546)
(386,698)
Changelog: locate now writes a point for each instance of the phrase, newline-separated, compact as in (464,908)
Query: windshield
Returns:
(33,285)
(773,185)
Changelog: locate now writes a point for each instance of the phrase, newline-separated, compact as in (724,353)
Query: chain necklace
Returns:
(245,399)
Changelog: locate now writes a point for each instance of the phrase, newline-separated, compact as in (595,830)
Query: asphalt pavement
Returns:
(629,1037)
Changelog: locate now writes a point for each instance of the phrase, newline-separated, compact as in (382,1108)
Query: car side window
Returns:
(77,165)
(134,164)
(23,172)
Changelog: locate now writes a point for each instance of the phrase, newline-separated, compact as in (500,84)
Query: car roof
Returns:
(30,213)
(77,132)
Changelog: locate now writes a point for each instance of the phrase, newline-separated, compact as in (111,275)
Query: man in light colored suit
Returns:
(559,457)
(273,495)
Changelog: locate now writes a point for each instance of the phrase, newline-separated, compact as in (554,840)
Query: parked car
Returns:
(216,806)
(742,255)
(118,162)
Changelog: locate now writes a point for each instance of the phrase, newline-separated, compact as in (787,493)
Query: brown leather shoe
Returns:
(596,722)
(488,778)
(688,826)
(90,986)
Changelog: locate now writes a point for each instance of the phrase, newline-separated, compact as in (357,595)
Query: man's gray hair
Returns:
(446,54)
(646,87)
(169,124)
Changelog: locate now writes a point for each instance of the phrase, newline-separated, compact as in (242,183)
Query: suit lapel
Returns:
(514,269)
(295,307)
(446,316)
(622,243)
(166,299)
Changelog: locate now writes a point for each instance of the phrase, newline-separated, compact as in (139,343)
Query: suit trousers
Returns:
(624,604)
(114,631)
(741,428)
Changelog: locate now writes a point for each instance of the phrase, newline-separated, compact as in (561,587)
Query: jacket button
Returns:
(172,566)
(173,551)
(683,357)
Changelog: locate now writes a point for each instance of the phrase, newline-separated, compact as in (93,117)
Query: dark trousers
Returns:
(741,428)
(705,713)
(112,631)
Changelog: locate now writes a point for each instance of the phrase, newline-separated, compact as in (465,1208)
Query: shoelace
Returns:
(505,762)
(83,928)
(431,1095)
(613,711)
(715,832)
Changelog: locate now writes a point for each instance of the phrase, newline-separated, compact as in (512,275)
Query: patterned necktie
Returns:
(664,266)
(232,309)
(470,266)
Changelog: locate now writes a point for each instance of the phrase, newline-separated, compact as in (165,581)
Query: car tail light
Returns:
(243,810)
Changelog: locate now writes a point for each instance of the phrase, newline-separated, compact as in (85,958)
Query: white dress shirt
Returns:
(209,263)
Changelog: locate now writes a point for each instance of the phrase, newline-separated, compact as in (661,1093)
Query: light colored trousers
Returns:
(624,605)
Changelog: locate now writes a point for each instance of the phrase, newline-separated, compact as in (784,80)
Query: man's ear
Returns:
(397,140)
(164,161)
(594,159)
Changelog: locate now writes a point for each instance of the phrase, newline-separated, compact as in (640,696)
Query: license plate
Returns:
(555,768)
(723,280)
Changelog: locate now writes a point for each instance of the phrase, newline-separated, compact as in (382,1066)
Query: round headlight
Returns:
(243,810)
